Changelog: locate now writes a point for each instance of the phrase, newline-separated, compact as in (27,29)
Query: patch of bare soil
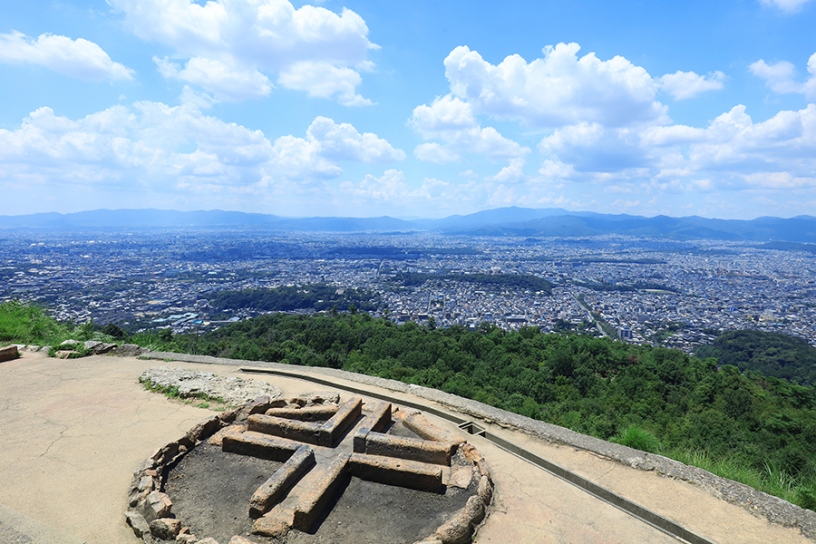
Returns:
(211,489)
(369,512)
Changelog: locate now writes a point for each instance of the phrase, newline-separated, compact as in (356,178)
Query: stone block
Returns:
(204,430)
(346,416)
(156,505)
(427,430)
(309,413)
(485,489)
(414,449)
(312,504)
(260,446)
(9,353)
(303,431)
(137,522)
(276,487)
(165,528)
(271,526)
(399,472)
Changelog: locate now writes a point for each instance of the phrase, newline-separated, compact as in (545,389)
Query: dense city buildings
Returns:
(675,293)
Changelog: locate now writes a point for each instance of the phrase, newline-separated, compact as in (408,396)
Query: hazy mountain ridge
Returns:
(510,221)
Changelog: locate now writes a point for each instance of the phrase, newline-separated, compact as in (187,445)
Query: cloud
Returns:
(512,173)
(780,77)
(558,89)
(684,85)
(733,151)
(311,49)
(452,121)
(173,147)
(324,80)
(343,142)
(227,82)
(78,58)
(789,6)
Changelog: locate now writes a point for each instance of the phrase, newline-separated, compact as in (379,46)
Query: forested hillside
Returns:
(745,426)
(770,353)
(318,296)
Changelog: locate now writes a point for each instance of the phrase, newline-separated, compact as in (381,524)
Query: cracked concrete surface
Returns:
(74,430)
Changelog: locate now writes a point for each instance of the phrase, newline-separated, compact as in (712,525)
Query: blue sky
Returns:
(409,109)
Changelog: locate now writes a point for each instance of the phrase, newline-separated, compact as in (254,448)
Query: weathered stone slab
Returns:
(427,430)
(323,492)
(309,413)
(399,472)
(260,446)
(9,353)
(276,487)
(345,417)
(286,428)
(377,420)
(414,449)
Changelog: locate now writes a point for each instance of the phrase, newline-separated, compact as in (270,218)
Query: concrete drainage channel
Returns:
(318,445)
(659,522)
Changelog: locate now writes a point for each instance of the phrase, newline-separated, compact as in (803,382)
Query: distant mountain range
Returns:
(499,222)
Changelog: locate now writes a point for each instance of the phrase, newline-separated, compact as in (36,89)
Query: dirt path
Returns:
(73,432)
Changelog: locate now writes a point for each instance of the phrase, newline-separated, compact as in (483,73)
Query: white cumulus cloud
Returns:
(683,85)
(178,146)
(780,77)
(452,121)
(558,89)
(310,48)
(226,81)
(78,58)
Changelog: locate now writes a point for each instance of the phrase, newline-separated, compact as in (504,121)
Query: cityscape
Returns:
(679,294)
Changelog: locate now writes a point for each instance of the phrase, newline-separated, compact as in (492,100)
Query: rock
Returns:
(130,350)
(485,490)
(460,477)
(193,383)
(165,528)
(475,509)
(208,541)
(240,540)
(157,505)
(66,354)
(186,539)
(69,344)
(98,348)
(137,522)
(9,353)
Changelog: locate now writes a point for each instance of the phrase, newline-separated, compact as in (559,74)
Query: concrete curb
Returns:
(755,502)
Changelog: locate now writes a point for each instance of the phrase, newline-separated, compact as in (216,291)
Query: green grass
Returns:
(25,324)
(771,480)
(638,438)
(30,324)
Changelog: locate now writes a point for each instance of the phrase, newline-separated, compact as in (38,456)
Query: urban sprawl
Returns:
(676,293)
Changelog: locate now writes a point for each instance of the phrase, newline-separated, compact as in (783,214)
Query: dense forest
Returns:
(744,426)
(771,353)
(488,281)
(316,296)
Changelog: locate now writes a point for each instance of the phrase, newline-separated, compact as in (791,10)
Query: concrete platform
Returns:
(74,430)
